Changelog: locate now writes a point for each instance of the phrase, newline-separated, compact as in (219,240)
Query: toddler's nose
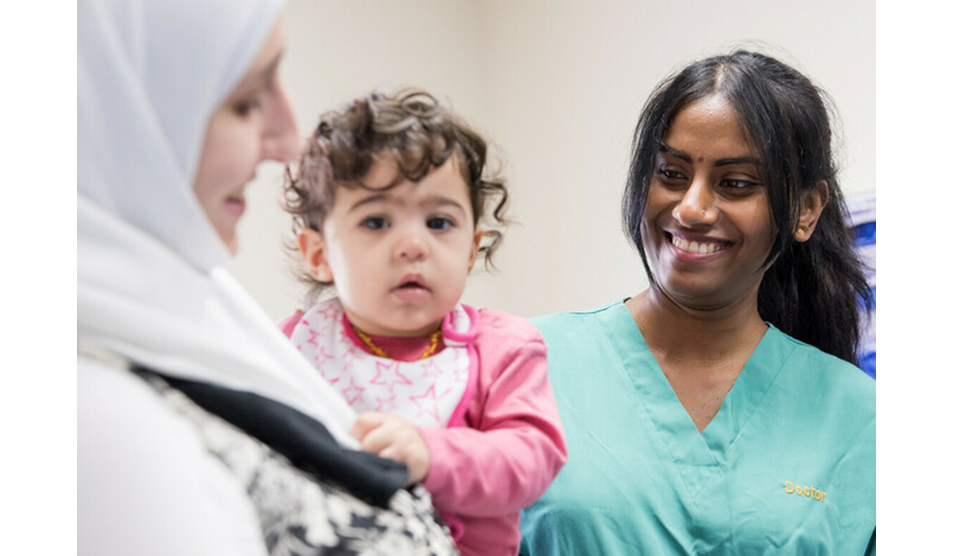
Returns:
(412,247)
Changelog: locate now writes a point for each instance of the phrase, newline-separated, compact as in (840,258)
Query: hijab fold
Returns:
(149,280)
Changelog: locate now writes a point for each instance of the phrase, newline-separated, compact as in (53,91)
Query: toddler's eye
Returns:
(439,223)
(374,223)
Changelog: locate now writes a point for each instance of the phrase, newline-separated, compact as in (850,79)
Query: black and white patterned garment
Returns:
(300,514)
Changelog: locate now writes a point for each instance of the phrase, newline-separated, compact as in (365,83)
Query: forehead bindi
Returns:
(707,131)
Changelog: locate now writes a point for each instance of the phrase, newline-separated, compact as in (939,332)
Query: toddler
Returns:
(388,202)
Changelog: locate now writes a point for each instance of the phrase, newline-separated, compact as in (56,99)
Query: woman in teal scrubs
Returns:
(720,411)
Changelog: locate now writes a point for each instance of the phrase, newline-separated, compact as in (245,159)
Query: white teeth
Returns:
(696,247)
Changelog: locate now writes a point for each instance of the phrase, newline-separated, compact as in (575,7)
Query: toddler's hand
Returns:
(391,437)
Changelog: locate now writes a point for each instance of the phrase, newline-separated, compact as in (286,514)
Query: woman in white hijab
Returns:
(201,429)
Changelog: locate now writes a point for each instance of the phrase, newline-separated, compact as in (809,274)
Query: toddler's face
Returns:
(399,257)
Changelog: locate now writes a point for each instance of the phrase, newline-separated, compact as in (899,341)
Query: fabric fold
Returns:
(304,441)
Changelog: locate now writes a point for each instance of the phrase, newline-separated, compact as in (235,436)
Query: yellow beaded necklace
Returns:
(435,337)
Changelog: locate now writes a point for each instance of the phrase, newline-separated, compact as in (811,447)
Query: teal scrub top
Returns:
(787,465)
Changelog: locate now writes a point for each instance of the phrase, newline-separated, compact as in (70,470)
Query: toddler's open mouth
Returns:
(412,281)
(412,288)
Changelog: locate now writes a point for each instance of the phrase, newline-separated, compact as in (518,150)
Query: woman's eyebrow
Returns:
(738,160)
(664,148)
(264,74)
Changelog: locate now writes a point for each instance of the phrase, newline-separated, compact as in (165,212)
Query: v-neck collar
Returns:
(688,448)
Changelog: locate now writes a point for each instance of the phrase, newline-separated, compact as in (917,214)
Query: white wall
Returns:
(557,86)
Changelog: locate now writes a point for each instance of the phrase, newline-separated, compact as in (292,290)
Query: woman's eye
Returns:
(374,223)
(738,184)
(252,101)
(668,174)
(439,223)
(245,107)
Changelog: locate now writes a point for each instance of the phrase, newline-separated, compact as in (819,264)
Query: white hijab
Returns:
(149,282)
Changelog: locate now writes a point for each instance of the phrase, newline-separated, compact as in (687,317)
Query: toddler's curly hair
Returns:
(412,130)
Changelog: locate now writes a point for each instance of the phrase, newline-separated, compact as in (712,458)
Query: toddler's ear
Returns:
(475,248)
(311,244)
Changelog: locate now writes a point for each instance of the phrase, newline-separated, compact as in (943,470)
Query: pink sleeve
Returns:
(512,445)
(287,324)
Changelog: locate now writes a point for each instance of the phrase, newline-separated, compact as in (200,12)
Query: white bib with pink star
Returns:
(432,392)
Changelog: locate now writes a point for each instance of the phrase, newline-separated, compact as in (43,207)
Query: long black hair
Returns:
(812,290)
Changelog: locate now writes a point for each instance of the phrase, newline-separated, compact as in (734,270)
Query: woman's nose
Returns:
(280,141)
(697,206)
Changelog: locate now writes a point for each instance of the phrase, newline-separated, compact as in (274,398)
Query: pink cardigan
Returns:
(511,444)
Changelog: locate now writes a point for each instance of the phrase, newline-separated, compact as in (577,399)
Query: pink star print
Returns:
(321,356)
(313,340)
(356,392)
(428,403)
(347,359)
(386,405)
(431,369)
(379,379)
(326,313)
(327,371)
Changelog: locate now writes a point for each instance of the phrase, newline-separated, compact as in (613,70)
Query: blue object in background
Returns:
(863,224)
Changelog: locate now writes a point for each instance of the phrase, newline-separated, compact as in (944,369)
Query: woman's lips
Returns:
(235,206)
(700,247)
(697,248)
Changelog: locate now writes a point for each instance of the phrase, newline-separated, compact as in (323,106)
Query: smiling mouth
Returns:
(235,204)
(700,247)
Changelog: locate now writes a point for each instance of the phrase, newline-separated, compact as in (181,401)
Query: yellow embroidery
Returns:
(810,492)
